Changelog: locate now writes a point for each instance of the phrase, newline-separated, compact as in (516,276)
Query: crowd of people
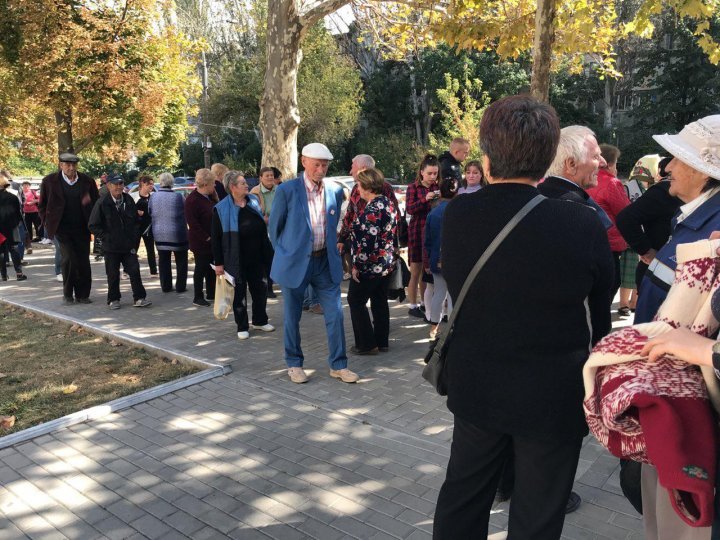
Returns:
(538,306)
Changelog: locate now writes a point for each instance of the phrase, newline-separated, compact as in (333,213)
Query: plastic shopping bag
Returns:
(224,294)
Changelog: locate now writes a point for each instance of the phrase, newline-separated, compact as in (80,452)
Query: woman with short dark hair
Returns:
(522,334)
(373,261)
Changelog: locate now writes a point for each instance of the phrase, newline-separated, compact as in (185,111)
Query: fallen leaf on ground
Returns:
(3,375)
(115,344)
(7,422)
(175,361)
(70,389)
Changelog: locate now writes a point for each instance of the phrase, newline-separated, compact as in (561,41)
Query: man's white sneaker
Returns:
(59,278)
(115,304)
(142,302)
(265,327)
(243,335)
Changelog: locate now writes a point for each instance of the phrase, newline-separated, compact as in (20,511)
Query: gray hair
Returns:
(166,180)
(571,145)
(365,161)
(231,179)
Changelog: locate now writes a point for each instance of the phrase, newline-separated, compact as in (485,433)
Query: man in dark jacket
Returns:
(575,169)
(67,198)
(115,220)
(451,161)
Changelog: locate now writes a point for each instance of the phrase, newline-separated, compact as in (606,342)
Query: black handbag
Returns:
(434,371)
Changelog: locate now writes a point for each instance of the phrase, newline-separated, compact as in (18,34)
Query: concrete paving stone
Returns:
(122,467)
(79,529)
(151,526)
(386,524)
(604,528)
(408,486)
(417,519)
(414,503)
(8,474)
(126,511)
(578,533)
(631,523)
(247,533)
(419,535)
(182,521)
(354,527)
(317,529)
(16,461)
(10,531)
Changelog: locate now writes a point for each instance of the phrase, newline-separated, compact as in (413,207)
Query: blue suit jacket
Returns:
(291,233)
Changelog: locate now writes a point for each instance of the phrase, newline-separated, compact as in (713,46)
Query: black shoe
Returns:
(271,294)
(21,277)
(201,302)
(383,349)
(68,301)
(4,278)
(83,301)
(369,352)
(573,503)
(624,311)
(445,318)
(416,312)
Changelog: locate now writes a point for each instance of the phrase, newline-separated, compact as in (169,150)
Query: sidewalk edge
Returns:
(98,411)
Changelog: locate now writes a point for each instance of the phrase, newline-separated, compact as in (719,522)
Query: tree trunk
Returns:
(279,114)
(414,99)
(63,123)
(608,114)
(542,49)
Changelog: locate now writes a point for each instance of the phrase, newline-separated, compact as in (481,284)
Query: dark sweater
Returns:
(117,228)
(646,223)
(72,216)
(198,214)
(523,335)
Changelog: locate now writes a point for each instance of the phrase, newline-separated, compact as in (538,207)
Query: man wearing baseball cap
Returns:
(303,225)
(115,220)
(67,198)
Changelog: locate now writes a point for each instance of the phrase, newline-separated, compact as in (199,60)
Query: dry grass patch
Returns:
(49,369)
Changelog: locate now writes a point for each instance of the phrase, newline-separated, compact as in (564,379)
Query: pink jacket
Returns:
(610,194)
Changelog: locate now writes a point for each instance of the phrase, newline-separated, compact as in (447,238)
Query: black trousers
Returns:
(149,242)
(255,281)
(544,473)
(131,266)
(203,276)
(616,280)
(369,335)
(181,266)
(75,263)
(8,250)
(32,219)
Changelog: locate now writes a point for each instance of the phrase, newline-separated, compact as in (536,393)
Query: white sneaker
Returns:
(45,241)
(265,327)
(59,278)
(243,335)
(115,304)
(142,302)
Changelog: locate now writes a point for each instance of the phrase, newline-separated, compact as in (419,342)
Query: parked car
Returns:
(400,192)
(182,190)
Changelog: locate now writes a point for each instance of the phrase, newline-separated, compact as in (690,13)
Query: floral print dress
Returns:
(373,237)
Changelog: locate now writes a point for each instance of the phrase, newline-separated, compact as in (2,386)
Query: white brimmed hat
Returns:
(316,150)
(697,145)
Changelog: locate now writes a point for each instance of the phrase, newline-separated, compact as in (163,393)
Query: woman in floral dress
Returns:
(373,254)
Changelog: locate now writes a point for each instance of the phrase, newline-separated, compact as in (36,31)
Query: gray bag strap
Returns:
(524,211)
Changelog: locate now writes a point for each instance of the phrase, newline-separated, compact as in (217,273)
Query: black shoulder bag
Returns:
(435,372)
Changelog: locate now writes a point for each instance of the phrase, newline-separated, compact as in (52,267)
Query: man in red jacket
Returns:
(67,198)
(610,194)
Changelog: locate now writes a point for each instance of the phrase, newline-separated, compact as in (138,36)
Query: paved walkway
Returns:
(251,455)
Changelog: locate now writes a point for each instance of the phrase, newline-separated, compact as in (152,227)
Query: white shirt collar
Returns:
(689,208)
(70,183)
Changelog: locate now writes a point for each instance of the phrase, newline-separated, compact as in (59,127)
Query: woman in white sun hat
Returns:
(695,180)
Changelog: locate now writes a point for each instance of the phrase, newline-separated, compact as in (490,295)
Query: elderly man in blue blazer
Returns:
(303,228)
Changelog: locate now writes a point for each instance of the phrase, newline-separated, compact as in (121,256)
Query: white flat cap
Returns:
(316,150)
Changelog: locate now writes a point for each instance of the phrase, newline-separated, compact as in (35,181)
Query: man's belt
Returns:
(661,274)
(319,253)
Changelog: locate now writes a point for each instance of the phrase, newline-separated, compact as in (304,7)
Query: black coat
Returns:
(646,223)
(528,323)
(10,215)
(52,200)
(450,167)
(554,187)
(118,229)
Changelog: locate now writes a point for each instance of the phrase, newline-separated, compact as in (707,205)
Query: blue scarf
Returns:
(228,212)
